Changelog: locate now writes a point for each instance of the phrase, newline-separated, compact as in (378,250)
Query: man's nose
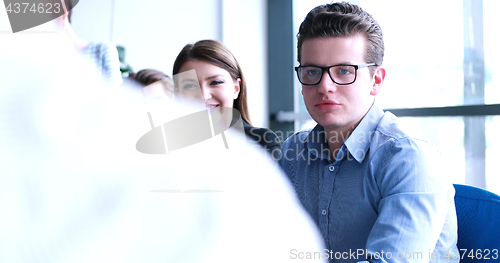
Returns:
(326,85)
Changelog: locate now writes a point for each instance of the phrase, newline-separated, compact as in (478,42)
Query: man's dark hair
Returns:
(342,20)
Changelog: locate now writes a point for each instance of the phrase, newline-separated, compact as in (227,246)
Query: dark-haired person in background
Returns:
(157,85)
(376,193)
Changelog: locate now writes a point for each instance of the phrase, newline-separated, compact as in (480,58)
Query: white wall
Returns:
(153,32)
(91,19)
(244,31)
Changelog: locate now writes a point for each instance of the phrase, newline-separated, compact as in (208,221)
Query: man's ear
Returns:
(378,80)
(237,88)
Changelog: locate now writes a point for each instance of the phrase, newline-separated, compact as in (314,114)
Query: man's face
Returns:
(334,106)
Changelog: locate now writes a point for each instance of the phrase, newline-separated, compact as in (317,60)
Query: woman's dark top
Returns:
(266,138)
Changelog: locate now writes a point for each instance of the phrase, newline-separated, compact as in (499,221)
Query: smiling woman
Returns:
(218,88)
(218,82)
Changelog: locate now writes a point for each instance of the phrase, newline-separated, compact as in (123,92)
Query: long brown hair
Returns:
(214,52)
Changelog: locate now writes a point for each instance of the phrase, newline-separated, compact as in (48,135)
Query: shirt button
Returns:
(323,212)
(331,168)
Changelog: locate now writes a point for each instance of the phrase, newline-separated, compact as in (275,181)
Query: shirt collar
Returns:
(316,143)
(359,141)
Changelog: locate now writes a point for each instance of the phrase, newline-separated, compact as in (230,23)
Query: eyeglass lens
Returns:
(339,74)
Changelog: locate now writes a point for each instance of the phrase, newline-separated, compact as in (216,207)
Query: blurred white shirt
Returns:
(73,187)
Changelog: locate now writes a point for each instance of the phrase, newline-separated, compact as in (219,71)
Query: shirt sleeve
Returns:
(110,64)
(417,206)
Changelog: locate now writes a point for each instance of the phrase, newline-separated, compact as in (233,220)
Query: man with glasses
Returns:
(376,193)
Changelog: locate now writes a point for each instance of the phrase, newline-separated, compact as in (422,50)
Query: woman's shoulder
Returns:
(265,137)
(259,133)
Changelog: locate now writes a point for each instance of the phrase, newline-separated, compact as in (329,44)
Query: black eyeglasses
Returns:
(342,74)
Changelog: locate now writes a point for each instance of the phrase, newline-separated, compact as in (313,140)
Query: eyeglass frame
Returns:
(327,69)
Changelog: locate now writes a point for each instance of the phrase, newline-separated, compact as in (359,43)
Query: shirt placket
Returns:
(326,192)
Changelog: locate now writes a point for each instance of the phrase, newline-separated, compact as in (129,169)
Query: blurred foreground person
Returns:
(74,188)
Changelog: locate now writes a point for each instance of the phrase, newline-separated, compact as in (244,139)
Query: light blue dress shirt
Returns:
(386,198)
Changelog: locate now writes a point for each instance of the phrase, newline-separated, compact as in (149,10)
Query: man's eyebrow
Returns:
(336,64)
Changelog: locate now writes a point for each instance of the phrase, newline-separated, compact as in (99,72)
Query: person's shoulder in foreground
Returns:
(78,189)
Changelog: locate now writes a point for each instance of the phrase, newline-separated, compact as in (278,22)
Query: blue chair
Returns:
(478,218)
